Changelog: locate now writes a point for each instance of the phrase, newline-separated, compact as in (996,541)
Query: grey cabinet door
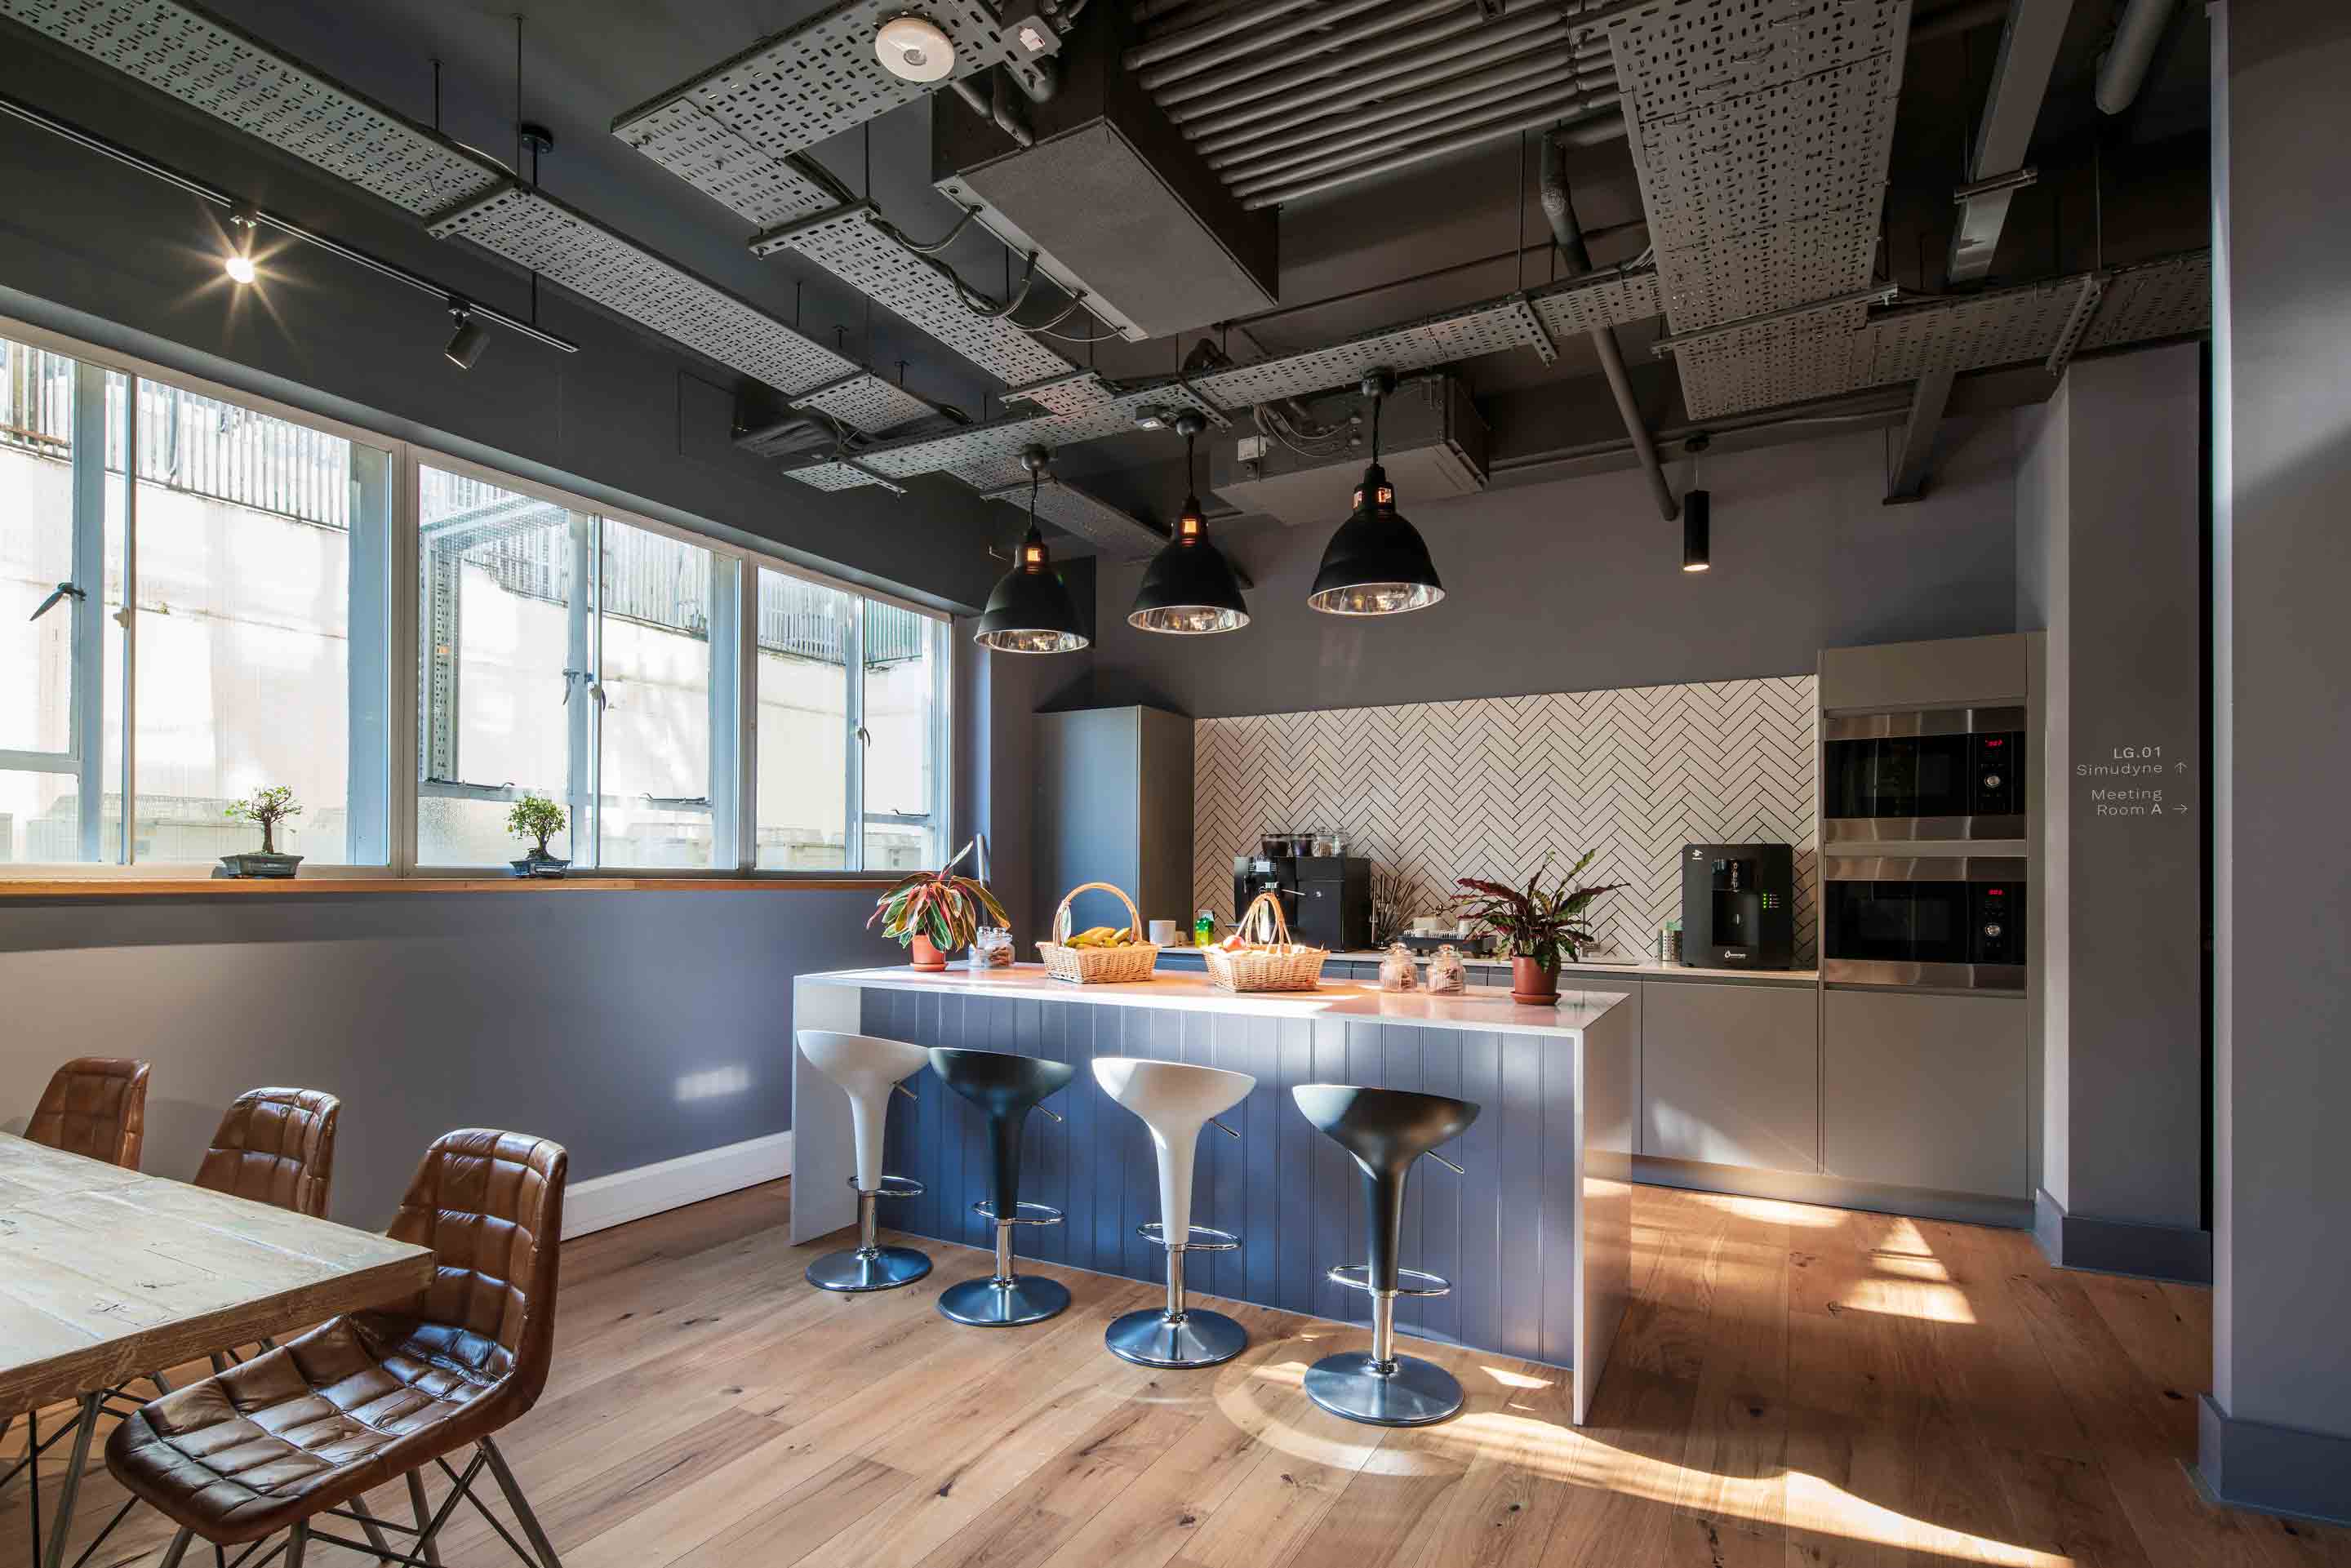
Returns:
(1730,1074)
(1928,1090)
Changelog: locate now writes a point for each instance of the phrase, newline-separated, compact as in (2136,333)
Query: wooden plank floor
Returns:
(1796,1386)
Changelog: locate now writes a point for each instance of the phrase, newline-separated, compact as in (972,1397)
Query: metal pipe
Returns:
(1605,126)
(1280,72)
(196,187)
(1256,45)
(1208,32)
(2122,69)
(1007,117)
(1559,208)
(1245,126)
(1552,102)
(1543,71)
(1167,19)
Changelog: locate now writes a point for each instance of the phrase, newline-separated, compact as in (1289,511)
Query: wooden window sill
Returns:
(208,887)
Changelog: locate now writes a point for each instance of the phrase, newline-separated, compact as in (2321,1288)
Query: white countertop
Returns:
(1354,1001)
(1647,968)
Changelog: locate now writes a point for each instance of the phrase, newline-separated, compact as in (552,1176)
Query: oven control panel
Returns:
(1997,913)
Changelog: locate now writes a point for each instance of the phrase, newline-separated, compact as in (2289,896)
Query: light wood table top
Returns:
(106,1274)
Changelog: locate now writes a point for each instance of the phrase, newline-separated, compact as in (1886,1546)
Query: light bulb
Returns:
(239,267)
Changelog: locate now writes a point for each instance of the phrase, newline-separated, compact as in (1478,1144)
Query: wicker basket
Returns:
(1279,965)
(1098,966)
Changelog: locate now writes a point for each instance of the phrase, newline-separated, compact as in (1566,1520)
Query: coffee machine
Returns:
(1738,906)
(1326,899)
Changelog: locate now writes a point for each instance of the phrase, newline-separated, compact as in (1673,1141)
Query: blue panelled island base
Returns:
(1534,1235)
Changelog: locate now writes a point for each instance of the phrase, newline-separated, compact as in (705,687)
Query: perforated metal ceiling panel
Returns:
(1567,307)
(2167,298)
(1089,517)
(711,156)
(866,402)
(1788,361)
(536,231)
(840,476)
(1760,129)
(199,60)
(846,244)
(815,80)
(2001,327)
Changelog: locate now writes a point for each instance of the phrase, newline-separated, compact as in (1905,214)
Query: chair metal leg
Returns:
(54,1553)
(521,1506)
(33,1490)
(430,1552)
(179,1547)
(375,1534)
(297,1541)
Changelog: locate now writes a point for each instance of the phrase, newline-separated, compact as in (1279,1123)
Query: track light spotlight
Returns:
(238,262)
(466,343)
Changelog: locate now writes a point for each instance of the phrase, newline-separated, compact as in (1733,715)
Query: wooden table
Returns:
(107,1275)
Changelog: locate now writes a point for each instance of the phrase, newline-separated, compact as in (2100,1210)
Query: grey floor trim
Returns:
(1836,1192)
(2272,1470)
(2120,1246)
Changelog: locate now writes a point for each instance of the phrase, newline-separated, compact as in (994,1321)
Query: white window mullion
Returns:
(406,654)
(854,705)
(582,691)
(86,712)
(129,844)
(728,769)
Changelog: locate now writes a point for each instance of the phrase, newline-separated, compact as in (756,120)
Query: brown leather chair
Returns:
(95,1105)
(276,1146)
(299,1432)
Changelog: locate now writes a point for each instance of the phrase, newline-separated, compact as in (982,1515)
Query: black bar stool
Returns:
(1007,1087)
(1384,1131)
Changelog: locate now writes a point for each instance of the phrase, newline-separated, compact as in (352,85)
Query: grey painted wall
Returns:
(2110,477)
(2282,648)
(631,1027)
(2043,580)
(1576,585)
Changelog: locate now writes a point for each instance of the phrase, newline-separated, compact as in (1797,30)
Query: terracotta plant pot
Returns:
(1533,985)
(924,954)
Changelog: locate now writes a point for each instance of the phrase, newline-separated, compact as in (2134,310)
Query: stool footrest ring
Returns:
(1218,1241)
(892,1187)
(1409,1281)
(1025,1214)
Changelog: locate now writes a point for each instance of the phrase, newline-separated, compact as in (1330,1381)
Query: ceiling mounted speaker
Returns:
(914,50)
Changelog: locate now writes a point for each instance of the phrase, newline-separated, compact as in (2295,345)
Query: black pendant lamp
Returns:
(1697,514)
(1189,590)
(1376,564)
(1030,611)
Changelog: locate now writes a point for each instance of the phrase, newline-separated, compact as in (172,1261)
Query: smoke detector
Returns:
(914,50)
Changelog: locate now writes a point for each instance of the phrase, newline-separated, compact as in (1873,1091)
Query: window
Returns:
(202,595)
(253,550)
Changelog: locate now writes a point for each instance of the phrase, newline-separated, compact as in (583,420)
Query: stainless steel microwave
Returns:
(1924,774)
(1952,922)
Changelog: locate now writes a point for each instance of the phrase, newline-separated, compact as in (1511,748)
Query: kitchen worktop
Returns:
(1486,1007)
(1648,969)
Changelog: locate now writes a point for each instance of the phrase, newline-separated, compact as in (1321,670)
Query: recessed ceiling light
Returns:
(914,50)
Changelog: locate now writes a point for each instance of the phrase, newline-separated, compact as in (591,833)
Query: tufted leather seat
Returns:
(371,1395)
(95,1105)
(274,1146)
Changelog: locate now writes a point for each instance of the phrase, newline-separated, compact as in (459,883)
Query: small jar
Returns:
(1447,974)
(1397,970)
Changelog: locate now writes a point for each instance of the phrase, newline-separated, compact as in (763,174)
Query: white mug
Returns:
(1163,934)
(1426,925)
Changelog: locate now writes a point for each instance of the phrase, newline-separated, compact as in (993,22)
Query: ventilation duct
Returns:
(1433,444)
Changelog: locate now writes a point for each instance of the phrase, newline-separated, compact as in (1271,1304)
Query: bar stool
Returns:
(1007,1087)
(1175,1100)
(868,1069)
(1384,1131)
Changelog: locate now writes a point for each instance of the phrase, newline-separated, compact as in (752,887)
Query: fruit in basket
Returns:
(1102,936)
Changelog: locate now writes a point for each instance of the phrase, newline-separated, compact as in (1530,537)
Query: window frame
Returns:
(734,742)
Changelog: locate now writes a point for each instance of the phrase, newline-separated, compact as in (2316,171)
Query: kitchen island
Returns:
(1535,1235)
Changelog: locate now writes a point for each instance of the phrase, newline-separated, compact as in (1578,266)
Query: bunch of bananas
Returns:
(1102,936)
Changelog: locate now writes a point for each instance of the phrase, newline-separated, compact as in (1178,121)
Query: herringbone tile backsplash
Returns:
(1485,787)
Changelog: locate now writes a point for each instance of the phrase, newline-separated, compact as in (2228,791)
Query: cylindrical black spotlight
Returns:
(466,343)
(1697,508)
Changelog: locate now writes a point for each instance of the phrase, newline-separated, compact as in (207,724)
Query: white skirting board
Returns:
(605,1201)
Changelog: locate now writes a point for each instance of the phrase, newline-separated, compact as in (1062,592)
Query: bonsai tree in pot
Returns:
(538,819)
(1540,927)
(266,808)
(932,913)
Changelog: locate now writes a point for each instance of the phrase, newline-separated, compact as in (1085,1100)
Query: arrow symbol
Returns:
(2179,768)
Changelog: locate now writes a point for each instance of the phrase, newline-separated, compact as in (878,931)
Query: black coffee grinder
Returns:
(1738,906)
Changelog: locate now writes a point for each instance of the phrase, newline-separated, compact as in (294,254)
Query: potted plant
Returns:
(1540,927)
(538,819)
(267,808)
(932,913)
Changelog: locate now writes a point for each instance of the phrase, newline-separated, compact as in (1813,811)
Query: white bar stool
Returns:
(868,1068)
(1175,1100)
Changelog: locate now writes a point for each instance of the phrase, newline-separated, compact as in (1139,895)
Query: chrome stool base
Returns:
(1416,1393)
(1151,1338)
(854,1271)
(986,1303)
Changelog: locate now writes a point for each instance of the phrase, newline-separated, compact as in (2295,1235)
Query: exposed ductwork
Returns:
(1559,209)
(2123,68)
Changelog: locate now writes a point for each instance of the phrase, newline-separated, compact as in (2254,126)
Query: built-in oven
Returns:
(1923,774)
(1954,922)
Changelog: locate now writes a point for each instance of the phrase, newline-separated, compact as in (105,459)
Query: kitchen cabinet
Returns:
(1114,805)
(1928,1090)
(1730,1074)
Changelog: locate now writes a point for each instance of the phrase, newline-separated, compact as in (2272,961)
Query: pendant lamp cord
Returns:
(1377,399)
